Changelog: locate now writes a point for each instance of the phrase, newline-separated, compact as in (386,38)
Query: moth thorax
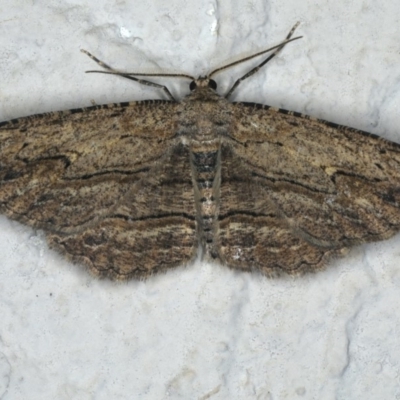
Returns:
(204,143)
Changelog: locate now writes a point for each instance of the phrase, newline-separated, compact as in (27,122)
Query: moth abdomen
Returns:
(206,167)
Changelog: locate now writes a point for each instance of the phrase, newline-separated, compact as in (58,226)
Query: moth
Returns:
(132,189)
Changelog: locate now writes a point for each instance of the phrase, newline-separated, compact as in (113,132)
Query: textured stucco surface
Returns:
(202,331)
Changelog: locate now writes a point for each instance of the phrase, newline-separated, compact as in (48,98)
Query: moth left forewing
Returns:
(78,162)
(330,187)
(102,184)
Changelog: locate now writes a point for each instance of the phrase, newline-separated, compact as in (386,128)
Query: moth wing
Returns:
(107,185)
(309,190)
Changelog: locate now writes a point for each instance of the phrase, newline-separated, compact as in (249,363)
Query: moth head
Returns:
(203,81)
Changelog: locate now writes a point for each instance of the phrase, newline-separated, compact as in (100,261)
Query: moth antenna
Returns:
(278,48)
(131,75)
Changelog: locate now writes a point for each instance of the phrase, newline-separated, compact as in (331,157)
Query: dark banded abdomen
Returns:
(206,174)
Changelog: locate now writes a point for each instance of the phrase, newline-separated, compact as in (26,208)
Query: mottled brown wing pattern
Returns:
(79,176)
(253,232)
(314,188)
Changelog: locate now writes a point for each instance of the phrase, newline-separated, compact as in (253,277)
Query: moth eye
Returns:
(192,86)
(212,84)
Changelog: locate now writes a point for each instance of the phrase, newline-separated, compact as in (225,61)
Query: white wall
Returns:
(204,330)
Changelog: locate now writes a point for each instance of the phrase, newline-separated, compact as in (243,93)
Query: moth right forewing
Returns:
(330,180)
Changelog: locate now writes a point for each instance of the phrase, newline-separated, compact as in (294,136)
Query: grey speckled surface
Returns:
(202,331)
